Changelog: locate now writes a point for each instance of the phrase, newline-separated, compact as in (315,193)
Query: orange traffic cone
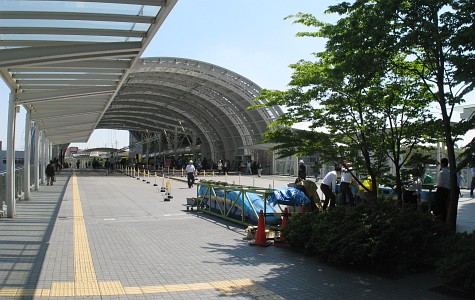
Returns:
(280,241)
(261,239)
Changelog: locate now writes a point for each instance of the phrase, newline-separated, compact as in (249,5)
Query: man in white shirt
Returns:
(328,187)
(443,189)
(190,173)
(346,195)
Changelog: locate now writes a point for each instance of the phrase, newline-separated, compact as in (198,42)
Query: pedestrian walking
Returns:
(190,173)
(50,173)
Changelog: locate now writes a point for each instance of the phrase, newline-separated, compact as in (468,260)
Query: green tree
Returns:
(437,36)
(432,41)
(372,112)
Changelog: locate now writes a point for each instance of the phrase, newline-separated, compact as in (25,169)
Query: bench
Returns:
(190,203)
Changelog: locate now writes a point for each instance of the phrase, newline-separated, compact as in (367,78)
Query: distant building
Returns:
(71,151)
(19,159)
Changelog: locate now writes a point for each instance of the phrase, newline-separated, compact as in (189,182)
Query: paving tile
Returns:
(142,247)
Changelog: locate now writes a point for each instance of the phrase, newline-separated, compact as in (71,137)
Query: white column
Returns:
(10,178)
(27,169)
(42,162)
(193,144)
(36,165)
(50,152)
(273,163)
(147,152)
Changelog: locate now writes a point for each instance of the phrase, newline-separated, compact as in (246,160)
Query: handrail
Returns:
(19,187)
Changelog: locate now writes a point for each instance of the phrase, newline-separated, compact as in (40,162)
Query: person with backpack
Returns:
(50,172)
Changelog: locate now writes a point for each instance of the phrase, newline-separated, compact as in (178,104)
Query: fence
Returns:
(19,187)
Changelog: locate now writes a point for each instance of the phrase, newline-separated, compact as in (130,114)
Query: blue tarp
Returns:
(288,196)
(255,203)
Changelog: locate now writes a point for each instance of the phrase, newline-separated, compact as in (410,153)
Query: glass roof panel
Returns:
(22,23)
(73,38)
(73,51)
(80,7)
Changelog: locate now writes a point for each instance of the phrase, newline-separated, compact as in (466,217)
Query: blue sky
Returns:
(249,37)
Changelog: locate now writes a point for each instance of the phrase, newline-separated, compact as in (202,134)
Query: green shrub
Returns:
(456,267)
(299,229)
(379,237)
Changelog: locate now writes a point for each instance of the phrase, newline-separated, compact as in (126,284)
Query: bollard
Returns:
(168,188)
(162,189)
(155,184)
(148,176)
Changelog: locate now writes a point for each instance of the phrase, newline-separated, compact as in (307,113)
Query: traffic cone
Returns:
(285,219)
(261,239)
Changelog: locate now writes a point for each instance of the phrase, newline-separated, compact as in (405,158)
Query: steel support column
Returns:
(43,148)
(10,178)
(175,142)
(27,158)
(193,143)
(36,160)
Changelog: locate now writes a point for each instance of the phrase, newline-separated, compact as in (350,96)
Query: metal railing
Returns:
(19,187)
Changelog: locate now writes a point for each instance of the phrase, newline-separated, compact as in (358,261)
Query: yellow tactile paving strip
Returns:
(86,284)
(74,289)
(83,264)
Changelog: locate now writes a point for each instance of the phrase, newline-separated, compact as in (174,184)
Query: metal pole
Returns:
(27,169)
(36,165)
(42,146)
(10,178)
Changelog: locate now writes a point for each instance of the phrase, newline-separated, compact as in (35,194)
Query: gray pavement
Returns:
(93,236)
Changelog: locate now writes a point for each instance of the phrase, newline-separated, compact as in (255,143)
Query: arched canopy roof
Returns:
(168,93)
(64,61)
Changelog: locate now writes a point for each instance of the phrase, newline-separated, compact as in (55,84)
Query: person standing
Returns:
(443,189)
(472,183)
(328,187)
(50,173)
(190,173)
(302,172)
(248,166)
(107,166)
(220,167)
(460,182)
(346,195)
(259,169)
(225,167)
